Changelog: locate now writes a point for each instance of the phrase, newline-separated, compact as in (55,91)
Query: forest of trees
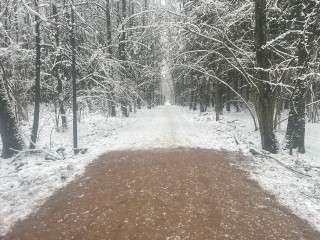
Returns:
(111,49)
(261,55)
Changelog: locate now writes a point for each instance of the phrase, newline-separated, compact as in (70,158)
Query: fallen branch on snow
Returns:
(255,152)
(55,157)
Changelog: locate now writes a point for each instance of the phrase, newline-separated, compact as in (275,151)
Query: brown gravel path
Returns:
(162,195)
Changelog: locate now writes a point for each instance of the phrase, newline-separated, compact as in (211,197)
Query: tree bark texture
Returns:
(109,43)
(122,53)
(218,100)
(264,99)
(74,79)
(10,135)
(56,73)
(295,134)
(36,114)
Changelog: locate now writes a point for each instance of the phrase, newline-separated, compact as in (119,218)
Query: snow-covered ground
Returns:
(26,182)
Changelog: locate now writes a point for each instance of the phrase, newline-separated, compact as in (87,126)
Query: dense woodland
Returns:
(258,55)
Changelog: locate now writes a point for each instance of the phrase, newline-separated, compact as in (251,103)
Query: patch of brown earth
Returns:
(162,195)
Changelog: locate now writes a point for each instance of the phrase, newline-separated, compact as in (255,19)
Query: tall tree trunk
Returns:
(139,103)
(191,100)
(264,99)
(194,97)
(236,88)
(195,100)
(296,122)
(122,53)
(6,28)
(74,79)
(109,43)
(228,95)
(301,12)
(36,114)
(202,95)
(10,135)
(218,100)
(109,33)
(55,71)
(149,96)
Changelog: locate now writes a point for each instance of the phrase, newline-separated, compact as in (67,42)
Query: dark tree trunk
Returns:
(286,104)
(295,134)
(10,135)
(236,88)
(6,28)
(124,108)
(207,100)
(36,114)
(213,96)
(122,53)
(109,47)
(277,115)
(202,95)
(296,122)
(193,92)
(191,100)
(139,103)
(195,101)
(149,96)
(218,100)
(55,71)
(74,79)
(264,102)
(113,104)
(228,95)
(109,33)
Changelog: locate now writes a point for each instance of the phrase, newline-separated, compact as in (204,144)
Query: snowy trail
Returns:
(26,183)
(186,194)
(165,127)
(170,127)
(29,181)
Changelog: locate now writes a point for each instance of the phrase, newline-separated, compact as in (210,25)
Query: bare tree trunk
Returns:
(202,95)
(191,100)
(218,100)
(74,80)
(109,42)
(55,71)
(10,135)
(149,96)
(236,88)
(122,53)
(296,122)
(195,100)
(139,103)
(36,114)
(295,134)
(264,99)
(228,95)
(109,33)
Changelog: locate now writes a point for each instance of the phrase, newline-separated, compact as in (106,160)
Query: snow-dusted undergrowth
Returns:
(26,182)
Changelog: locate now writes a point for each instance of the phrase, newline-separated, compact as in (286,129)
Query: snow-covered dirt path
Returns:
(167,194)
(164,127)
(27,182)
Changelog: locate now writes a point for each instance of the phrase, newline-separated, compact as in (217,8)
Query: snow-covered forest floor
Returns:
(26,182)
